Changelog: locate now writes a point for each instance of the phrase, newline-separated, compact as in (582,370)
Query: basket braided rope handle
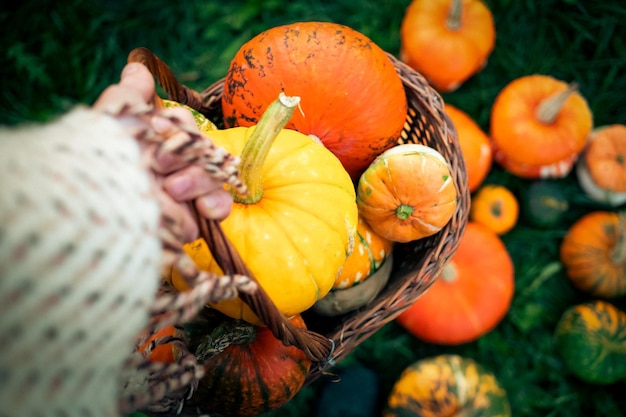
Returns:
(317,347)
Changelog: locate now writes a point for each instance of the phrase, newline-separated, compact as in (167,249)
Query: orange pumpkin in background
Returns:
(594,254)
(539,126)
(470,297)
(475,146)
(601,170)
(447,41)
(352,98)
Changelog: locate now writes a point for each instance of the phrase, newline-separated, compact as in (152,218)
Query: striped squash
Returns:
(591,338)
(251,375)
(447,385)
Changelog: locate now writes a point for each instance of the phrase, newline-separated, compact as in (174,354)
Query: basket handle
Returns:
(316,347)
(167,80)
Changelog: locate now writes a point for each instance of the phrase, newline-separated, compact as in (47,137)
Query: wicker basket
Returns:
(416,264)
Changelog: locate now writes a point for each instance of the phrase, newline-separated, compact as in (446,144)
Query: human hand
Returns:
(177,181)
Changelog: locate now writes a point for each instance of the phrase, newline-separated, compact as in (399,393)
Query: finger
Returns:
(178,218)
(135,90)
(169,156)
(138,77)
(216,205)
(190,183)
(172,119)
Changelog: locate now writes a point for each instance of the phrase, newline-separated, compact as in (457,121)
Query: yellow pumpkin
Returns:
(295,227)
(204,124)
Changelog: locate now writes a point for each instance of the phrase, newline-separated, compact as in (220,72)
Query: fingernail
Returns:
(209,205)
(129,69)
(177,186)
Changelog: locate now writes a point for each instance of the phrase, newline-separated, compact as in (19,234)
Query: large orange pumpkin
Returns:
(539,126)
(601,169)
(353,99)
(470,297)
(447,41)
(475,146)
(594,254)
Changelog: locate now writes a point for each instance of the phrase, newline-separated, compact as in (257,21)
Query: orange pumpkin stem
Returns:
(549,109)
(258,146)
(449,273)
(618,255)
(454,16)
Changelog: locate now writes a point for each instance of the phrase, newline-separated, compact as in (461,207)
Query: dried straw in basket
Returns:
(416,264)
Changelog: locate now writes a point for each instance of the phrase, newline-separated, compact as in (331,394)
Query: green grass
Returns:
(58,54)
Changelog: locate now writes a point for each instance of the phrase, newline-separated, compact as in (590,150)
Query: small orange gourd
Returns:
(407,193)
(370,251)
(539,126)
(495,207)
(470,297)
(475,146)
(447,41)
(594,254)
(601,170)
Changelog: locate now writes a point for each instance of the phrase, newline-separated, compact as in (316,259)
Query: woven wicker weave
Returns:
(416,264)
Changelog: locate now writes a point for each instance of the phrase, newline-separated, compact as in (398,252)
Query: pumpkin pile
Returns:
(327,198)
(540,131)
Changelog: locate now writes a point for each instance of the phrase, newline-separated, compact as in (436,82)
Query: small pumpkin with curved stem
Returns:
(601,170)
(475,146)
(539,126)
(496,207)
(447,385)
(352,98)
(407,193)
(591,339)
(295,226)
(447,41)
(593,253)
(470,297)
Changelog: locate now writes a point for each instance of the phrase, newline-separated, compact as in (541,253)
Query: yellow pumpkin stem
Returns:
(454,16)
(259,143)
(618,255)
(449,273)
(549,109)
